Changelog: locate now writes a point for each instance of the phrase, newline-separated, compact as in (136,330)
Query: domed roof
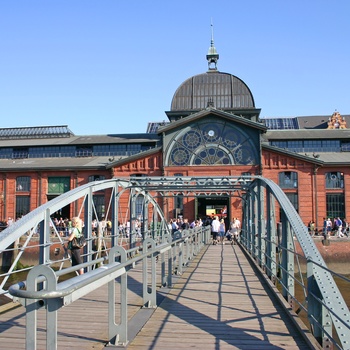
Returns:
(213,88)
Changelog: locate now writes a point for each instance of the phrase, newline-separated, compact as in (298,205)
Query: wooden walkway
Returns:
(219,303)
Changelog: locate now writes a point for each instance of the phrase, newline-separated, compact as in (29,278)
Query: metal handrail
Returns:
(42,283)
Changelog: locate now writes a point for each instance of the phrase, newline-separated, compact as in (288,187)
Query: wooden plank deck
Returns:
(81,325)
(218,303)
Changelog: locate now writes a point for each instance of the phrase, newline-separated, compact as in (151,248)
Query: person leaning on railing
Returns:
(76,233)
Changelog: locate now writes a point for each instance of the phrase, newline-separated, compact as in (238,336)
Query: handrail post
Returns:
(118,334)
(162,268)
(149,298)
(181,258)
(32,305)
(188,256)
(170,263)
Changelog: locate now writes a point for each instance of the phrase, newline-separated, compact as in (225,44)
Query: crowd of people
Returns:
(221,228)
(336,227)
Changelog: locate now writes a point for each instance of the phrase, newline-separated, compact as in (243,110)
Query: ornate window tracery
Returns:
(212,143)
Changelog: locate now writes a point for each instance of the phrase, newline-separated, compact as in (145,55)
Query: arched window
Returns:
(212,142)
(288,179)
(139,206)
(334,179)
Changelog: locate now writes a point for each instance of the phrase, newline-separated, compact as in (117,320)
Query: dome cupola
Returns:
(213,89)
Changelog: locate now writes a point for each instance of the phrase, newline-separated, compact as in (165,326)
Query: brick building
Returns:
(213,129)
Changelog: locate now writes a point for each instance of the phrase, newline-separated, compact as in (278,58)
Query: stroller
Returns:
(231,237)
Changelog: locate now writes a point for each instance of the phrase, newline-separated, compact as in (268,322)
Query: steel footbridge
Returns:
(37,275)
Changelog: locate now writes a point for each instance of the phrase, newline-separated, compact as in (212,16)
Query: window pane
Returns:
(96,178)
(99,202)
(335,205)
(23,183)
(288,179)
(22,206)
(58,185)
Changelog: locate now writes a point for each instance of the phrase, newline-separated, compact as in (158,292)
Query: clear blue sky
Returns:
(111,66)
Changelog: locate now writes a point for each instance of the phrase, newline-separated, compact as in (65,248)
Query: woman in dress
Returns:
(222,231)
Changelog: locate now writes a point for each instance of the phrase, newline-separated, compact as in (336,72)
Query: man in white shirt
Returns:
(215,226)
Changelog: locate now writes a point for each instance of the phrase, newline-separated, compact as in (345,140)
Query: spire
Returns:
(212,56)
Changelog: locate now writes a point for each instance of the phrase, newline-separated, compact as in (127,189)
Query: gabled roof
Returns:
(322,158)
(129,159)
(305,158)
(211,111)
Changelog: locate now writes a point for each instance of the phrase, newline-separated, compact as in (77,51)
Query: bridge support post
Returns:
(115,216)
(261,227)
(88,231)
(287,263)
(247,233)
(319,317)
(271,266)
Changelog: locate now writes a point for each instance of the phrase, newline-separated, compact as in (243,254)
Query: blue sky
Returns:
(111,66)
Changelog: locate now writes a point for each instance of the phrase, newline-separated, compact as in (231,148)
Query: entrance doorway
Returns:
(213,206)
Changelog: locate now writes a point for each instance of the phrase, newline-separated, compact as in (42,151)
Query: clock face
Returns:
(211,133)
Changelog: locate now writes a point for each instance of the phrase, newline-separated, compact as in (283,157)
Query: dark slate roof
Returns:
(317,121)
(64,164)
(116,138)
(81,140)
(334,158)
(225,91)
(315,134)
(37,132)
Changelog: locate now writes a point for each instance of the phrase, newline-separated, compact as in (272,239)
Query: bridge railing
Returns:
(301,275)
(42,289)
(36,240)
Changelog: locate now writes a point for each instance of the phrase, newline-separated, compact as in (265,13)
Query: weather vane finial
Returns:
(212,56)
